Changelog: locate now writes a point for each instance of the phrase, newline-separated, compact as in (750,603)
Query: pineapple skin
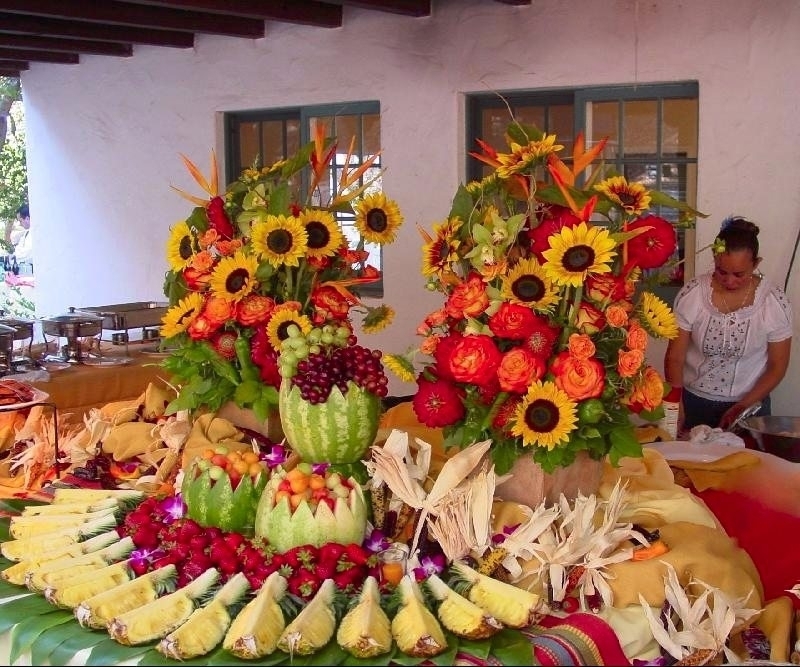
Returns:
(72,594)
(255,631)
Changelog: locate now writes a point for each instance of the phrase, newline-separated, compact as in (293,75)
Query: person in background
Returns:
(22,245)
(734,334)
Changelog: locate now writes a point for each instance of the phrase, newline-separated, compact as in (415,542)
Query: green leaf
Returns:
(49,640)
(110,652)
(479,649)
(24,633)
(377,661)
(28,605)
(511,648)
(16,505)
(247,392)
(81,639)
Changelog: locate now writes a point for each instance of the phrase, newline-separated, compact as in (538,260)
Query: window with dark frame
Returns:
(652,135)
(264,136)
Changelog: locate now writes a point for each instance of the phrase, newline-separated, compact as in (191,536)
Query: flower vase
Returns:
(245,418)
(530,485)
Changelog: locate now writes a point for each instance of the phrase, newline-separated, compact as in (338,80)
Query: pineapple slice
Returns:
(127,497)
(512,606)
(415,629)
(158,618)
(365,630)
(207,625)
(459,615)
(97,611)
(75,590)
(82,507)
(15,574)
(314,626)
(44,529)
(38,524)
(255,631)
(60,570)
(37,547)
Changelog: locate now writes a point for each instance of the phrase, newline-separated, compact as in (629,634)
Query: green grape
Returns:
(314,349)
(288,357)
(327,338)
(314,335)
(293,331)
(301,352)
(342,333)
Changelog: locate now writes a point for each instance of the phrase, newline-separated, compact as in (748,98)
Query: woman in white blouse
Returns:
(735,334)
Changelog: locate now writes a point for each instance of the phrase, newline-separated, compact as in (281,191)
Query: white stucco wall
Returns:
(104,136)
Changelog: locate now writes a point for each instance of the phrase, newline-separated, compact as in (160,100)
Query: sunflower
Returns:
(657,317)
(280,240)
(577,252)
(632,197)
(280,321)
(440,252)
(180,247)
(528,285)
(545,417)
(233,278)
(401,366)
(324,235)
(178,318)
(521,157)
(378,218)
(377,318)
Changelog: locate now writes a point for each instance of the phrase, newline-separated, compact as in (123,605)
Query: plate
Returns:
(38,397)
(55,366)
(685,450)
(106,361)
(156,353)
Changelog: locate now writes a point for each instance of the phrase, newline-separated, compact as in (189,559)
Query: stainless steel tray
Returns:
(121,316)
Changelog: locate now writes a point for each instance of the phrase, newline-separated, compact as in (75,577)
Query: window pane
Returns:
(640,128)
(249,143)
(562,121)
(679,130)
(372,134)
(272,147)
(530,115)
(603,121)
(347,127)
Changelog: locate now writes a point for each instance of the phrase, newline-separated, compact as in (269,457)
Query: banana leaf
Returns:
(16,505)
(378,660)
(28,630)
(23,607)
(110,652)
(79,641)
(479,649)
(331,654)
(47,642)
(512,648)
(222,657)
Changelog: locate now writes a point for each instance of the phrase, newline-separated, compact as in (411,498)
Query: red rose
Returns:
(330,303)
(589,320)
(197,281)
(654,247)
(443,352)
(474,359)
(604,288)
(579,378)
(437,403)
(553,221)
(512,321)
(519,367)
(468,298)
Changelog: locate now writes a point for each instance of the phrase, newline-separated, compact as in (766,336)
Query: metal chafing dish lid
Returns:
(7,330)
(75,316)
(73,323)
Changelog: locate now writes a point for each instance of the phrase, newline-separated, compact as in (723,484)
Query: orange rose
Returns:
(197,281)
(579,378)
(201,328)
(616,316)
(227,248)
(581,346)
(519,367)
(512,321)
(606,288)
(473,359)
(208,238)
(629,362)
(637,337)
(217,310)
(648,392)
(330,302)
(468,299)
(590,319)
(203,261)
(254,309)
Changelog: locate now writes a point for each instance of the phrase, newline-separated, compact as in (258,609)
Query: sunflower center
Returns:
(377,220)
(185,247)
(541,416)
(318,235)
(279,241)
(236,280)
(627,198)
(528,289)
(282,330)
(578,258)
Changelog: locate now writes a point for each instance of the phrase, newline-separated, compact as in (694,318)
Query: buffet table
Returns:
(79,388)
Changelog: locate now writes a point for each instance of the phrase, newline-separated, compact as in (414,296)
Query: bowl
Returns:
(776,435)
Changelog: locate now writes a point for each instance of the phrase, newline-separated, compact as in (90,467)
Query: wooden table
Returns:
(78,389)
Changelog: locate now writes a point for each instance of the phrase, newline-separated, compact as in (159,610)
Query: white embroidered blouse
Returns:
(728,351)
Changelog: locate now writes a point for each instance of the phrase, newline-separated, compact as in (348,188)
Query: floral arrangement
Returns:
(540,344)
(251,264)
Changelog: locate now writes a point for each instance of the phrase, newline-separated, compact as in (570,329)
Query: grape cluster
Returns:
(330,358)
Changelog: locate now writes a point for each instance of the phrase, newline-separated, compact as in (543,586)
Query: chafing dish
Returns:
(72,325)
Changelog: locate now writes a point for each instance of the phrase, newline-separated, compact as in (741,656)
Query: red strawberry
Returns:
(356,554)
(139,566)
(144,537)
(234,540)
(229,565)
(198,543)
(308,556)
(350,580)
(251,559)
(303,584)
(325,570)
(330,552)
(188,529)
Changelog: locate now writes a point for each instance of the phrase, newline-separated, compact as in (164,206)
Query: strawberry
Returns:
(234,540)
(331,551)
(356,554)
(144,537)
(303,584)
(351,579)
(325,569)
(188,529)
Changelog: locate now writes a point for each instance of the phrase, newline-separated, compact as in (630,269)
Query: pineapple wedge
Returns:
(126,497)
(97,611)
(37,524)
(365,630)
(158,618)
(415,629)
(82,507)
(36,547)
(207,625)
(255,631)
(459,615)
(60,570)
(75,590)
(15,574)
(314,626)
(512,606)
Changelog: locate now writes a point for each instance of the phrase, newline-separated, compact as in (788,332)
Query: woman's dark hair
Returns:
(23,211)
(739,233)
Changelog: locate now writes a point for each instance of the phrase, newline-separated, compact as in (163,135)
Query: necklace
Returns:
(731,312)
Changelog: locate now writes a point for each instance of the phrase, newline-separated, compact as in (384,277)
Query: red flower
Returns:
(468,298)
(442,354)
(474,359)
(518,369)
(512,321)
(437,403)
(218,218)
(590,320)
(196,280)
(654,247)
(554,220)
(330,303)
(223,341)
(254,309)
(542,337)
(579,378)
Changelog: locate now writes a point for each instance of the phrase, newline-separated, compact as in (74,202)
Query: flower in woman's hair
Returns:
(655,245)
(578,252)
(632,198)
(545,417)
(718,246)
(657,317)
(438,403)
